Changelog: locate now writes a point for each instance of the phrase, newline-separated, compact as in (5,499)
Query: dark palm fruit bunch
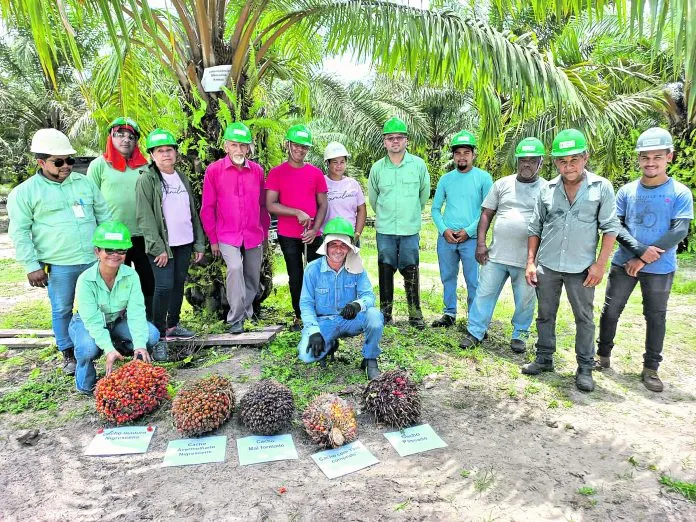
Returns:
(203,405)
(267,407)
(135,389)
(330,421)
(393,399)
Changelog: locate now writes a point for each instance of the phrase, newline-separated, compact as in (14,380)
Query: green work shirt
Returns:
(118,189)
(570,232)
(398,194)
(97,305)
(53,222)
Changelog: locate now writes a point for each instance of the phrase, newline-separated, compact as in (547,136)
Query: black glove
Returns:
(350,310)
(315,345)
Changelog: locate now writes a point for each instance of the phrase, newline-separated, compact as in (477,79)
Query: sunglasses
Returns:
(117,251)
(125,136)
(60,162)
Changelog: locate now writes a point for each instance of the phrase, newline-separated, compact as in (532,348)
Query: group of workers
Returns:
(545,237)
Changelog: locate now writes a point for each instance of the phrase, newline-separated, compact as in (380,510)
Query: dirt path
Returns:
(518,449)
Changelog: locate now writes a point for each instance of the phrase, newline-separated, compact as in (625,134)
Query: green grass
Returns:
(587,491)
(30,314)
(43,393)
(687,489)
(11,272)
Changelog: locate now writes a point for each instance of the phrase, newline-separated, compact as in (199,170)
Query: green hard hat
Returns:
(159,138)
(655,138)
(463,138)
(122,120)
(529,148)
(339,225)
(112,234)
(238,132)
(568,142)
(395,126)
(299,134)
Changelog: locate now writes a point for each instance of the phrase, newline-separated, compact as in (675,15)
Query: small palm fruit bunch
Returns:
(393,399)
(330,421)
(135,389)
(267,407)
(203,405)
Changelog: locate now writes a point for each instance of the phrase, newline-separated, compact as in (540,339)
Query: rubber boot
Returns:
(386,291)
(412,284)
(583,379)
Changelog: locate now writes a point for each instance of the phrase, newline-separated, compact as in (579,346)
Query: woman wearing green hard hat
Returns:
(345,196)
(116,173)
(110,316)
(170,225)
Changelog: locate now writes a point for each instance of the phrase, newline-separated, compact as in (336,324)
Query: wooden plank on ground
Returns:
(22,332)
(262,336)
(26,343)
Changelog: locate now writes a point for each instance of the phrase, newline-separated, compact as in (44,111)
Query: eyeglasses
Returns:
(60,162)
(117,251)
(395,138)
(125,136)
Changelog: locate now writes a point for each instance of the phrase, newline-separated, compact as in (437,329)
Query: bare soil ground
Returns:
(519,448)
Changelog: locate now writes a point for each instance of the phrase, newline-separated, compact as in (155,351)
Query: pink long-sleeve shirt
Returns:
(234,204)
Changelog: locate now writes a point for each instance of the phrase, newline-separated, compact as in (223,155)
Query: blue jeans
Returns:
(398,251)
(448,257)
(86,350)
(61,292)
(332,327)
(491,281)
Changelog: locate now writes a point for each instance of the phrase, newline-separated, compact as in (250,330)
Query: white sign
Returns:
(215,77)
(255,449)
(120,441)
(415,440)
(184,452)
(346,459)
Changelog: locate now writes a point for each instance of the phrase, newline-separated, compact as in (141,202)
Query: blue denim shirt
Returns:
(325,292)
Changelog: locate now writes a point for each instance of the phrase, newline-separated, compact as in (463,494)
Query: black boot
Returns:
(372,369)
(412,285)
(386,291)
(69,362)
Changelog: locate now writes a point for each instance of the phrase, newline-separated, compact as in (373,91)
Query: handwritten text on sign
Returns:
(415,440)
(255,449)
(346,459)
(121,441)
(184,452)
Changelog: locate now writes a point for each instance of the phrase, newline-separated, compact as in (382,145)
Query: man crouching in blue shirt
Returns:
(337,300)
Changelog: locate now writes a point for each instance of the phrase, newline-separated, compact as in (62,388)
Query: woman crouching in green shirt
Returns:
(169,222)
(111,310)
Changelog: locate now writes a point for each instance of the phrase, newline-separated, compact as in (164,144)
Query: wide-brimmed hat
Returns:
(353,263)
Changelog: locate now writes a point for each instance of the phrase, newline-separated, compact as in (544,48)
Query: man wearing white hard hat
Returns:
(337,301)
(53,215)
(345,196)
(655,211)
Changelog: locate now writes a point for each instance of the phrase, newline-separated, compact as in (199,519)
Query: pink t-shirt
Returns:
(344,197)
(296,188)
(176,208)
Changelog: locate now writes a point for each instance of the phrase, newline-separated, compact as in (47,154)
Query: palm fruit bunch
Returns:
(393,399)
(203,405)
(267,407)
(135,389)
(330,421)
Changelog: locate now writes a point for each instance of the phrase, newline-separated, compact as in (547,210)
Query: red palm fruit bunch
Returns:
(135,389)
(330,421)
(267,407)
(393,399)
(203,405)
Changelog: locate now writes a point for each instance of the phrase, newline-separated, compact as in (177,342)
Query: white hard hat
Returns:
(655,138)
(335,150)
(51,141)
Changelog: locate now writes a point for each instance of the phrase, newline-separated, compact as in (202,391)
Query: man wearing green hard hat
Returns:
(656,212)
(110,316)
(296,193)
(236,221)
(398,189)
(116,173)
(461,192)
(337,300)
(570,212)
(511,201)
(168,219)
